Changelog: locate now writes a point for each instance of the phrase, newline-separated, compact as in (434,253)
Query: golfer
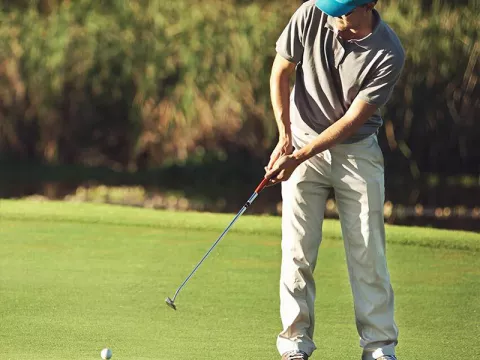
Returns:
(346,62)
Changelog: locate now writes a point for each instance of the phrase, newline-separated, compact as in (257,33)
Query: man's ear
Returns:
(370,5)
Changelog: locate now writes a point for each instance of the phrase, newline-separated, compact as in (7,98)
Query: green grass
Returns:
(77,277)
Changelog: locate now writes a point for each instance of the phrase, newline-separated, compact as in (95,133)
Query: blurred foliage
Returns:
(138,84)
(84,84)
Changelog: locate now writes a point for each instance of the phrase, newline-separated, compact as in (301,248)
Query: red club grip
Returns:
(262,185)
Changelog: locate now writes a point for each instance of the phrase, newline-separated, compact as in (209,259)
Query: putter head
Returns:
(170,303)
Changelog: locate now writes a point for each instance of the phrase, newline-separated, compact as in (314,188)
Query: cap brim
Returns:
(333,8)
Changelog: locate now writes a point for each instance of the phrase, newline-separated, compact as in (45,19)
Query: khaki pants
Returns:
(355,172)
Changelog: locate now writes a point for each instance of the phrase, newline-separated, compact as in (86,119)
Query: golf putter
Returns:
(260,187)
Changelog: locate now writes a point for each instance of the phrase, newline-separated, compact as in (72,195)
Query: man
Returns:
(346,62)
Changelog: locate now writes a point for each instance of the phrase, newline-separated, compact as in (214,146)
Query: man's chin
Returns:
(341,25)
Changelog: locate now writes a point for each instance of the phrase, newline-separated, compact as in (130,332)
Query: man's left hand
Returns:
(282,169)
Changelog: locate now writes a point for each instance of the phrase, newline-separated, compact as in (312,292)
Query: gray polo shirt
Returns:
(332,72)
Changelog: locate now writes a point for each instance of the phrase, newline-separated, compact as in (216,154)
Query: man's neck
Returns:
(362,31)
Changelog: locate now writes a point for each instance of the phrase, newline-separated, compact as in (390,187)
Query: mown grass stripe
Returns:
(90,213)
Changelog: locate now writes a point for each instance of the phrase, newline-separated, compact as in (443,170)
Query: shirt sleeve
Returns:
(290,44)
(378,87)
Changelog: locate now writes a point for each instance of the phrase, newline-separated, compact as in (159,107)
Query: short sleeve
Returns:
(378,87)
(290,44)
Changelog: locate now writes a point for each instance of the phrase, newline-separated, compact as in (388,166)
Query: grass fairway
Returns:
(75,278)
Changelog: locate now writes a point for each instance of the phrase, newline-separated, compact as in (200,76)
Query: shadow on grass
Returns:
(224,186)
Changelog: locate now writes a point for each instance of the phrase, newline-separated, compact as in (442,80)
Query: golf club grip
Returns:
(261,185)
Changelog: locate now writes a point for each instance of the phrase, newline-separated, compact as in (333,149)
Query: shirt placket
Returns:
(338,51)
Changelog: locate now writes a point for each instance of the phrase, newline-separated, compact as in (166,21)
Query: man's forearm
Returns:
(339,131)
(334,134)
(280,98)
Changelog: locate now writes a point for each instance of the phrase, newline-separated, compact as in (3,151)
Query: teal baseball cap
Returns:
(338,8)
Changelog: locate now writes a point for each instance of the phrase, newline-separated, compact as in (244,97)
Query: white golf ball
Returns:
(106,353)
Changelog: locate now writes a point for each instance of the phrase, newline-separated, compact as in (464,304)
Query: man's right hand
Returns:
(284,147)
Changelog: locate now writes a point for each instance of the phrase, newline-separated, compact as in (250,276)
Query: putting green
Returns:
(76,278)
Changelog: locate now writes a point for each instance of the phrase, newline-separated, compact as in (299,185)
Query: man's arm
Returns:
(280,93)
(280,98)
(358,113)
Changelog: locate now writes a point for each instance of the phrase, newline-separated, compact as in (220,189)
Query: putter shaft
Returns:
(260,187)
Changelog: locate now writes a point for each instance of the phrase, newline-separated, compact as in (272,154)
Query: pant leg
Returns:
(304,197)
(358,173)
